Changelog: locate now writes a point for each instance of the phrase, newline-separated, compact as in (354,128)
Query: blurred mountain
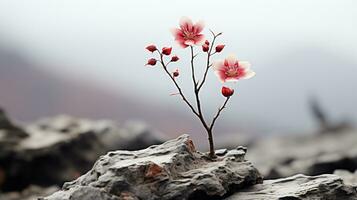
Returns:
(28,92)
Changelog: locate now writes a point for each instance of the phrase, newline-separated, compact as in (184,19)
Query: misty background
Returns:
(86,58)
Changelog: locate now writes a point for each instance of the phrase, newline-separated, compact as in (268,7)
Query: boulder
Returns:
(30,193)
(172,170)
(314,154)
(299,187)
(54,150)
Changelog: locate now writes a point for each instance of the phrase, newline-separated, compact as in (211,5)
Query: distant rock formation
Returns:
(313,154)
(172,170)
(54,150)
(299,187)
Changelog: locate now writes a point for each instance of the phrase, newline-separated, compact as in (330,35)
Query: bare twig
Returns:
(219,112)
(208,64)
(176,84)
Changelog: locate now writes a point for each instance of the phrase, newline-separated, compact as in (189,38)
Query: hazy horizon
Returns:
(298,49)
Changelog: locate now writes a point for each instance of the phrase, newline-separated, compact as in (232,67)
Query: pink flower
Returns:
(151,48)
(219,48)
(188,34)
(227,92)
(151,61)
(166,50)
(231,69)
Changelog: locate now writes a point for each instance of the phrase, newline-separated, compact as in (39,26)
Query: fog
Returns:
(299,49)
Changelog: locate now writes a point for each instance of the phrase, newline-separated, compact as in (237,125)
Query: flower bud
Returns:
(207,42)
(176,73)
(151,48)
(166,50)
(151,61)
(205,47)
(174,58)
(220,47)
(227,92)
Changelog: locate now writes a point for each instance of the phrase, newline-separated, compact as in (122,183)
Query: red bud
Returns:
(227,92)
(174,58)
(207,42)
(151,48)
(166,50)
(205,48)
(176,73)
(219,48)
(151,61)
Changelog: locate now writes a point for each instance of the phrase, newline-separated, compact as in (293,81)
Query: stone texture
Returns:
(58,149)
(299,187)
(313,154)
(348,178)
(172,170)
(30,193)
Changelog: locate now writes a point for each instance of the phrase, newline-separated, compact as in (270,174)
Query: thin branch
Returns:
(193,69)
(218,113)
(177,85)
(196,91)
(209,54)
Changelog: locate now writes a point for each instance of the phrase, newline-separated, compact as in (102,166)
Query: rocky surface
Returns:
(54,150)
(313,154)
(299,187)
(349,178)
(30,193)
(172,170)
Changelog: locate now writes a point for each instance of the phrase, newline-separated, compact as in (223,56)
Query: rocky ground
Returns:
(59,149)
(175,170)
(312,154)
(35,160)
(172,170)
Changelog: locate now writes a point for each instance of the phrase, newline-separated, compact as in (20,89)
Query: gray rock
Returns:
(299,187)
(313,154)
(172,170)
(65,145)
(30,193)
(348,178)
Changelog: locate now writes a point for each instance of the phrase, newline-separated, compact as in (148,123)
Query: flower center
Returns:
(189,35)
(232,73)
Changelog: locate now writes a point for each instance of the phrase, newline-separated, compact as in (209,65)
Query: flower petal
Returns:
(199,26)
(189,42)
(176,32)
(199,39)
(248,74)
(217,65)
(186,23)
(244,64)
(231,59)
(231,79)
(221,76)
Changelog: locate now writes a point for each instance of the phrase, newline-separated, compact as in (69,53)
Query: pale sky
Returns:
(105,41)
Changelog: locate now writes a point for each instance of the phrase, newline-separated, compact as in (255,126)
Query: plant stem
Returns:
(176,84)
(197,87)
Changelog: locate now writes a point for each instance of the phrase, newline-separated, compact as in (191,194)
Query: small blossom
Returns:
(188,34)
(220,47)
(176,73)
(166,50)
(205,47)
(227,92)
(174,58)
(151,61)
(151,48)
(207,42)
(231,69)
